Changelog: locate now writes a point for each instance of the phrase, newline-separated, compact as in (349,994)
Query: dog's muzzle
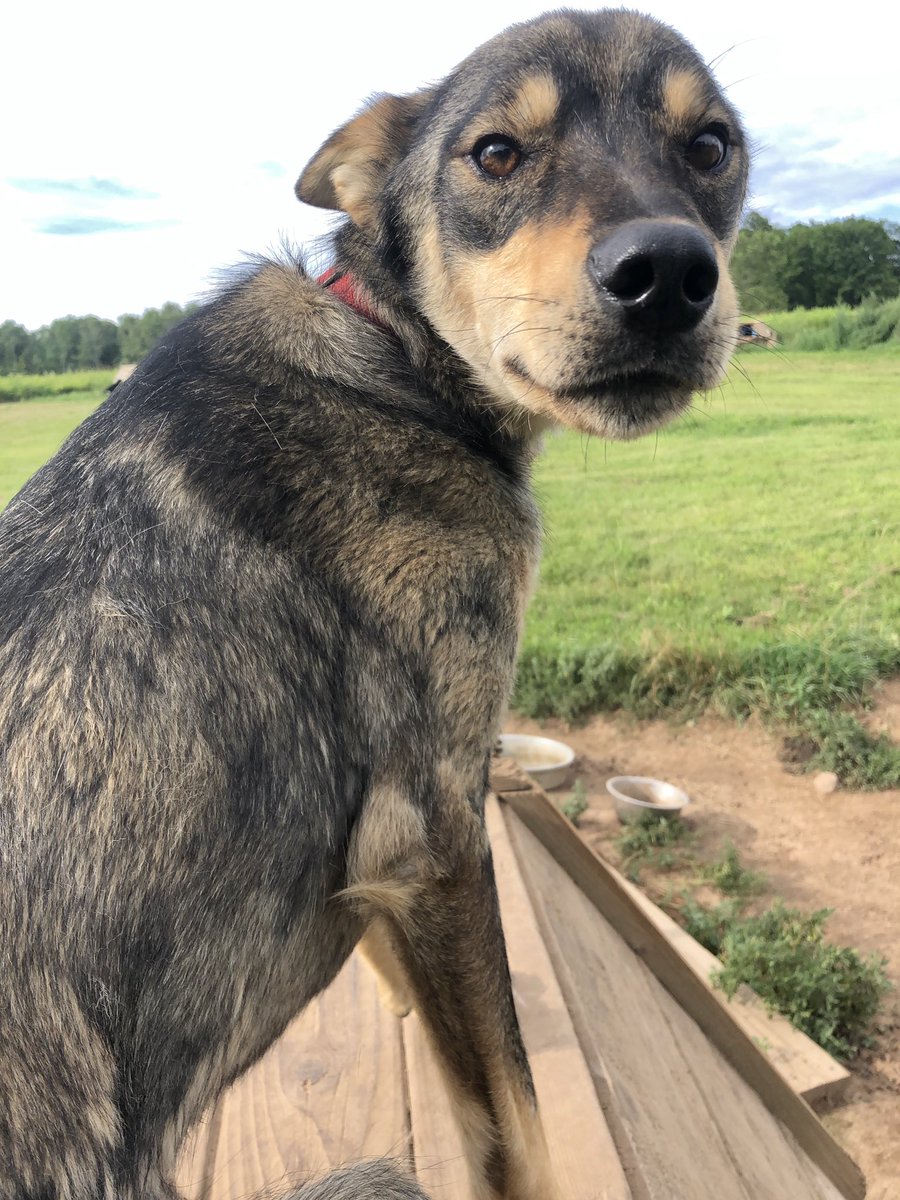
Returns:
(657,277)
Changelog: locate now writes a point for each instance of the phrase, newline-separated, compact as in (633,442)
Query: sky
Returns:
(144,147)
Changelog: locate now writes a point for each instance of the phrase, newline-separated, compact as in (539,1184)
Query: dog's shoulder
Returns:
(277,416)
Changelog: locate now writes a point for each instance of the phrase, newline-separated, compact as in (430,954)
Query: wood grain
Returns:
(601,891)
(807,1069)
(195,1164)
(437,1147)
(330,1091)
(582,1149)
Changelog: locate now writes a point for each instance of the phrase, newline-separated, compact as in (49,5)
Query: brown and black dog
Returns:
(259,616)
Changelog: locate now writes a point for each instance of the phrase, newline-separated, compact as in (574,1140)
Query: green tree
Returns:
(758,265)
(816,265)
(98,343)
(16,352)
(137,335)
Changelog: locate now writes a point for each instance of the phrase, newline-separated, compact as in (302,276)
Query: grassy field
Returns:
(772,510)
(873,323)
(748,558)
(30,387)
(30,432)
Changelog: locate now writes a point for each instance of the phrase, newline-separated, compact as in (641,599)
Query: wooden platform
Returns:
(649,1088)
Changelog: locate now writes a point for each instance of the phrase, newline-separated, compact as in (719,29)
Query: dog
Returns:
(259,615)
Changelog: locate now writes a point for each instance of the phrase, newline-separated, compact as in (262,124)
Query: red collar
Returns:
(343,285)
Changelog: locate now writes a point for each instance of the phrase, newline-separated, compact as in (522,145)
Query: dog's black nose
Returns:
(660,275)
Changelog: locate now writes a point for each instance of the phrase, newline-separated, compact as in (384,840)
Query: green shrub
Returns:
(861,759)
(873,323)
(652,841)
(576,806)
(805,686)
(708,925)
(29,387)
(731,877)
(830,992)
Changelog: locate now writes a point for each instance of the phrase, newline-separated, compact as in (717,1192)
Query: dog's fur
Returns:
(259,616)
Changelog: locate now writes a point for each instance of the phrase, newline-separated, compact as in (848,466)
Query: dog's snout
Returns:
(657,274)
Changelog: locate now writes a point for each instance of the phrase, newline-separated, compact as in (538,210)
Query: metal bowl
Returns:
(546,761)
(634,795)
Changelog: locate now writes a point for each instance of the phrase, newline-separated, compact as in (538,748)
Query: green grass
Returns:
(34,430)
(654,841)
(874,323)
(830,992)
(28,387)
(728,874)
(747,559)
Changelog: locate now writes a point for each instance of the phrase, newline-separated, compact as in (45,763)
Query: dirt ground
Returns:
(840,851)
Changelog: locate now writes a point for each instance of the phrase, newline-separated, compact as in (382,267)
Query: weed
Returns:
(652,841)
(828,991)
(872,323)
(731,877)
(858,757)
(28,387)
(575,807)
(708,926)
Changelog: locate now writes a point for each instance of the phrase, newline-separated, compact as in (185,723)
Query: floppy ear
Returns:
(350,169)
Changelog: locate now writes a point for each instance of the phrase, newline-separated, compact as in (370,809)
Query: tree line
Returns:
(84,343)
(816,265)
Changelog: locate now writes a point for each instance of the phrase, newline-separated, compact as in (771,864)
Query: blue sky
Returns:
(144,147)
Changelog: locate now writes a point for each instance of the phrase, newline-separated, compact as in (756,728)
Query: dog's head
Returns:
(561,210)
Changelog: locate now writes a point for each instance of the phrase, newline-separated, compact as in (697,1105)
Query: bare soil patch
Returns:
(839,851)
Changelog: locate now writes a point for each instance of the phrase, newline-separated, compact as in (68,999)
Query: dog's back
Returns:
(201,682)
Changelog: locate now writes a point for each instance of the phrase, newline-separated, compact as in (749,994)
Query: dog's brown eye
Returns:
(708,150)
(497,156)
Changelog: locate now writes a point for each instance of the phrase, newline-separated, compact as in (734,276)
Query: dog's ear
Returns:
(349,170)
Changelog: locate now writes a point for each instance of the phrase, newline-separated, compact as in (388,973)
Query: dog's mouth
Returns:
(619,403)
(623,385)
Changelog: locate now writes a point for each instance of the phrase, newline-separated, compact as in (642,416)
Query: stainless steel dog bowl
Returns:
(634,795)
(546,761)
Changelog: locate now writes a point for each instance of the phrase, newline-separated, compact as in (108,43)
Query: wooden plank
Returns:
(508,776)
(607,895)
(330,1091)
(805,1066)
(437,1147)
(693,1129)
(582,1149)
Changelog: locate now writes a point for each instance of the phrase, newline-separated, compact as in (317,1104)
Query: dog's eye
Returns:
(708,150)
(496,155)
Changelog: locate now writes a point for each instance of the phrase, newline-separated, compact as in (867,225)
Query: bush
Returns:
(577,804)
(731,877)
(873,323)
(30,387)
(830,992)
(709,926)
(859,758)
(652,841)
(804,686)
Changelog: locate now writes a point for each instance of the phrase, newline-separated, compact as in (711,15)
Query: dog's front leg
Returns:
(450,941)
